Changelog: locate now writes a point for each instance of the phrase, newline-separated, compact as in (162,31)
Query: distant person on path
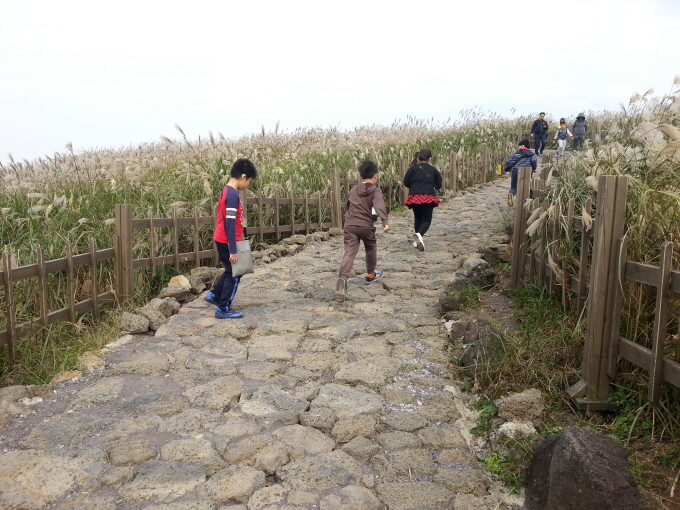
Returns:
(539,129)
(580,130)
(363,202)
(228,230)
(522,158)
(422,179)
(561,137)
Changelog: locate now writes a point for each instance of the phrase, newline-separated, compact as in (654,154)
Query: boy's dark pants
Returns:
(226,285)
(352,236)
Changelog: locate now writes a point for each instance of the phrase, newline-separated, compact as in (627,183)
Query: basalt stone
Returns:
(207,274)
(235,483)
(526,406)
(353,497)
(307,440)
(133,323)
(451,303)
(346,402)
(479,341)
(194,451)
(322,418)
(323,471)
(407,422)
(580,469)
(415,495)
(163,480)
(361,448)
(178,292)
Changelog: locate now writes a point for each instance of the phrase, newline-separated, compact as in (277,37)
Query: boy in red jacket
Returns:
(228,230)
(363,202)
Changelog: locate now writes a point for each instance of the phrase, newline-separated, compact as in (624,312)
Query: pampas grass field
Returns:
(71,197)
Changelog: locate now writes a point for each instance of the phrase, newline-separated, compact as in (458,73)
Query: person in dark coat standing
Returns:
(579,131)
(539,129)
(422,179)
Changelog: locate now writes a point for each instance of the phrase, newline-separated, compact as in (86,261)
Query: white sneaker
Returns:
(418,242)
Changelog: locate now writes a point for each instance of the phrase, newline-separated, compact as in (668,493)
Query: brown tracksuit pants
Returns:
(352,236)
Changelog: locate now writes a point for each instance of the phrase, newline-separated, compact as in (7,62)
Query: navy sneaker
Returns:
(210,298)
(370,279)
(227,313)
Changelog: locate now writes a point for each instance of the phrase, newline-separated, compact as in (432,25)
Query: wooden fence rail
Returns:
(597,287)
(133,250)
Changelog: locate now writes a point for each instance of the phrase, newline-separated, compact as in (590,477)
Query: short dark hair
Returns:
(542,113)
(367,169)
(524,142)
(241,167)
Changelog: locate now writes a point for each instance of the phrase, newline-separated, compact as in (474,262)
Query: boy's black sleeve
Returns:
(407,177)
(232,203)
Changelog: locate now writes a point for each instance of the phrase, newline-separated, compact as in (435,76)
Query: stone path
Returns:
(305,403)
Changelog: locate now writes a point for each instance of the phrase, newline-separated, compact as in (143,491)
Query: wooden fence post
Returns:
(403,168)
(124,257)
(260,215)
(519,235)
(660,322)
(583,259)
(94,276)
(9,300)
(336,204)
(453,172)
(601,329)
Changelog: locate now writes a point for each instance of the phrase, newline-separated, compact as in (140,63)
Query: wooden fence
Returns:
(135,245)
(597,287)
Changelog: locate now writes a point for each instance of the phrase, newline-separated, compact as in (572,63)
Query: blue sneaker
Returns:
(370,279)
(210,298)
(227,313)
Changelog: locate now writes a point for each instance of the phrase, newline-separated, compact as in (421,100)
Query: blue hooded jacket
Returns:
(523,157)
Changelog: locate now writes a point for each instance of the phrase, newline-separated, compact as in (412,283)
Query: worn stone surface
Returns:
(303,403)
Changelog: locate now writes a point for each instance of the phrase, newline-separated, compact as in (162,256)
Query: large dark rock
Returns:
(580,469)
(496,254)
(451,303)
(479,341)
(480,276)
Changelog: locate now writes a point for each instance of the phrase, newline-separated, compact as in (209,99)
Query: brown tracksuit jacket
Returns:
(360,199)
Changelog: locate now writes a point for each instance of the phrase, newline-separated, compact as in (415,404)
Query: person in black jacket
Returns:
(538,131)
(422,179)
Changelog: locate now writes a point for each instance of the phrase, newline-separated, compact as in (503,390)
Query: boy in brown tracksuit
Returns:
(363,202)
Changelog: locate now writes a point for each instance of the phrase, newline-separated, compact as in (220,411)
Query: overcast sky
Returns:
(119,73)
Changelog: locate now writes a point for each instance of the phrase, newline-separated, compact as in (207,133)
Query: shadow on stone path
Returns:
(304,403)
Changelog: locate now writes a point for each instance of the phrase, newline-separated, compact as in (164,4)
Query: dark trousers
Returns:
(513,181)
(352,237)
(226,285)
(540,143)
(422,217)
(578,142)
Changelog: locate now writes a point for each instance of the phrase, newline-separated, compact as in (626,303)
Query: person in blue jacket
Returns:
(522,158)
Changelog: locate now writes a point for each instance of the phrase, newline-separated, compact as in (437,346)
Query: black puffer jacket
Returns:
(422,179)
